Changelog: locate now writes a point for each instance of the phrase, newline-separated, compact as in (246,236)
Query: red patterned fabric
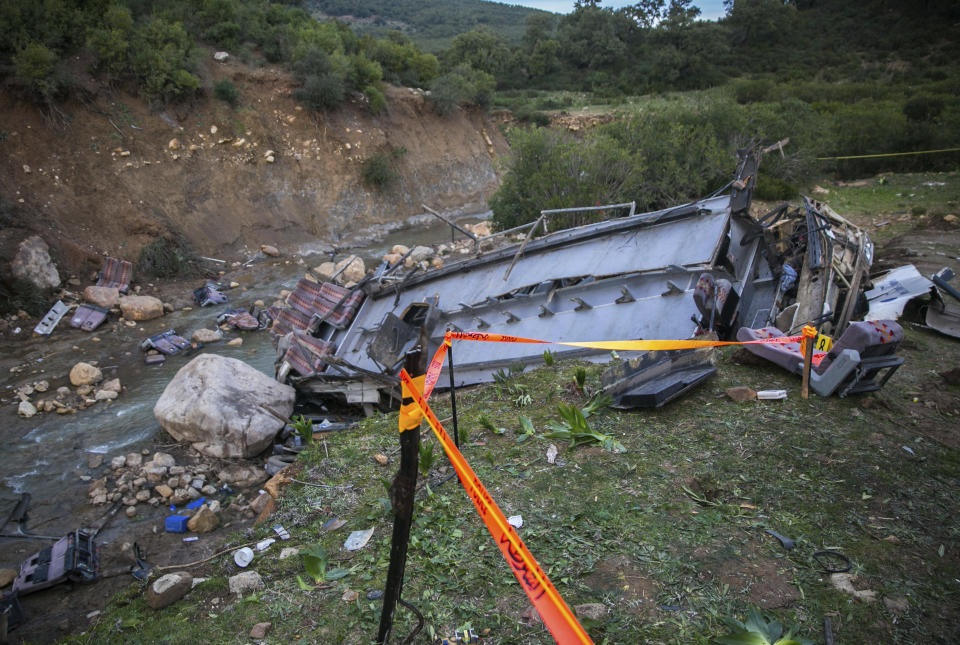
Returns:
(115,273)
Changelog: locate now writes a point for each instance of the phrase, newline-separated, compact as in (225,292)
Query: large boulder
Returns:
(141,307)
(85,374)
(106,297)
(224,407)
(33,264)
(168,589)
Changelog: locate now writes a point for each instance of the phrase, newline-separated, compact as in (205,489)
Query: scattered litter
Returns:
(281,532)
(243,557)
(209,294)
(197,503)
(891,292)
(516,521)
(376,594)
(192,538)
(358,539)
(551,454)
(333,524)
(176,524)
(909,450)
(771,395)
(88,317)
(264,544)
(50,320)
(787,543)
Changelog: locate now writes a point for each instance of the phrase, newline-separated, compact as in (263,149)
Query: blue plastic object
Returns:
(176,524)
(197,503)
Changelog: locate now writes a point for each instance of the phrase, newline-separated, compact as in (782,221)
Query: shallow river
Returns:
(47,454)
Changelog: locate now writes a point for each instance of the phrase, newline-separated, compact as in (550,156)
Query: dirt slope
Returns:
(109,176)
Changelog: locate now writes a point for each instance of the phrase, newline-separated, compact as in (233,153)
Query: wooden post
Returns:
(809,340)
(402,493)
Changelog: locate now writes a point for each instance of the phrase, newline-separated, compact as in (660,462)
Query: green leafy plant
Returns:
(303,428)
(227,92)
(580,378)
(574,428)
(486,423)
(427,458)
(755,630)
(520,395)
(315,562)
(548,358)
(598,403)
(527,428)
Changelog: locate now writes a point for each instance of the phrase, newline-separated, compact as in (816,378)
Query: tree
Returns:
(35,65)
(481,49)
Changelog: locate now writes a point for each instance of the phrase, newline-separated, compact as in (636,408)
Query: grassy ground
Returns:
(668,536)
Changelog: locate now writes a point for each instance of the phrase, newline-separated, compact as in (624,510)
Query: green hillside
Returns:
(431,24)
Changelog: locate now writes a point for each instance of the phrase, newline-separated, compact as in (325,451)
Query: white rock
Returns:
(245,581)
(26,409)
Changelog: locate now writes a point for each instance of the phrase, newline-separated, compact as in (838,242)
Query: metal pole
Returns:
(402,493)
(453,396)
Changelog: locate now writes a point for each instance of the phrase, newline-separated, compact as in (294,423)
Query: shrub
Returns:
(322,92)
(165,258)
(35,65)
(923,108)
(462,86)
(227,92)
(375,99)
(771,188)
(377,171)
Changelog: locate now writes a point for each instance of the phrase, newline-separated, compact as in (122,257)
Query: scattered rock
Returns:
(84,390)
(105,395)
(134,459)
(33,264)
(106,297)
(591,610)
(951,376)
(41,386)
(174,144)
(741,393)
(168,589)
(260,503)
(259,631)
(242,475)
(26,409)
(289,552)
(221,57)
(85,374)
(141,307)
(94,460)
(325,271)
(400,249)
(349,596)
(203,521)
(113,385)
(381,459)
(164,459)
(418,255)
(236,342)
(118,462)
(131,511)
(163,490)
(844,582)
(206,336)
(354,269)
(7,576)
(272,251)
(219,404)
(245,581)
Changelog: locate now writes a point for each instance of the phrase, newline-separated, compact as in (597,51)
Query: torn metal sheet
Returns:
(50,320)
(892,292)
(656,378)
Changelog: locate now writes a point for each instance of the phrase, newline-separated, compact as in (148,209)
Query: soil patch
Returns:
(620,578)
(761,579)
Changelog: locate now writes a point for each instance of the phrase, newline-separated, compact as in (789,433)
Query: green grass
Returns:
(677,521)
(669,535)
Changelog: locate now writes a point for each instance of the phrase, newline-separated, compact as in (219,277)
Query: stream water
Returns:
(47,454)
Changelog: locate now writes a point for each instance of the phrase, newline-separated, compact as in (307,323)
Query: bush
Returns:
(35,65)
(773,189)
(462,86)
(749,91)
(322,92)
(165,258)
(923,108)
(377,171)
(375,99)
(227,92)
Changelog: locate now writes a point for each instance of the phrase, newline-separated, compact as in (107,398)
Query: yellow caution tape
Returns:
(889,154)
(410,413)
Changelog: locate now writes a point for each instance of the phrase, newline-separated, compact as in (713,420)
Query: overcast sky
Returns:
(709,9)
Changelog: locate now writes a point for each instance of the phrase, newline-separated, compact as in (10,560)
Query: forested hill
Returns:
(432,24)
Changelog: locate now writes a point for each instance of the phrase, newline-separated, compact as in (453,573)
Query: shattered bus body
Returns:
(703,267)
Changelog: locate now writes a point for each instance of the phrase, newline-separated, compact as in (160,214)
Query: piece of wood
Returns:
(402,493)
(808,344)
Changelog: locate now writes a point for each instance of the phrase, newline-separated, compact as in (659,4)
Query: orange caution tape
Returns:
(410,413)
(436,364)
(556,615)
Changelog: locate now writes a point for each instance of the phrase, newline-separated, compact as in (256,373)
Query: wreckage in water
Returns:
(705,266)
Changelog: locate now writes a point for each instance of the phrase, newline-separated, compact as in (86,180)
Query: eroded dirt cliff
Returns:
(107,175)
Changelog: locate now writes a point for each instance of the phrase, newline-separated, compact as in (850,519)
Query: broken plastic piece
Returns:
(281,532)
(197,503)
(770,395)
(243,556)
(176,524)
(358,539)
